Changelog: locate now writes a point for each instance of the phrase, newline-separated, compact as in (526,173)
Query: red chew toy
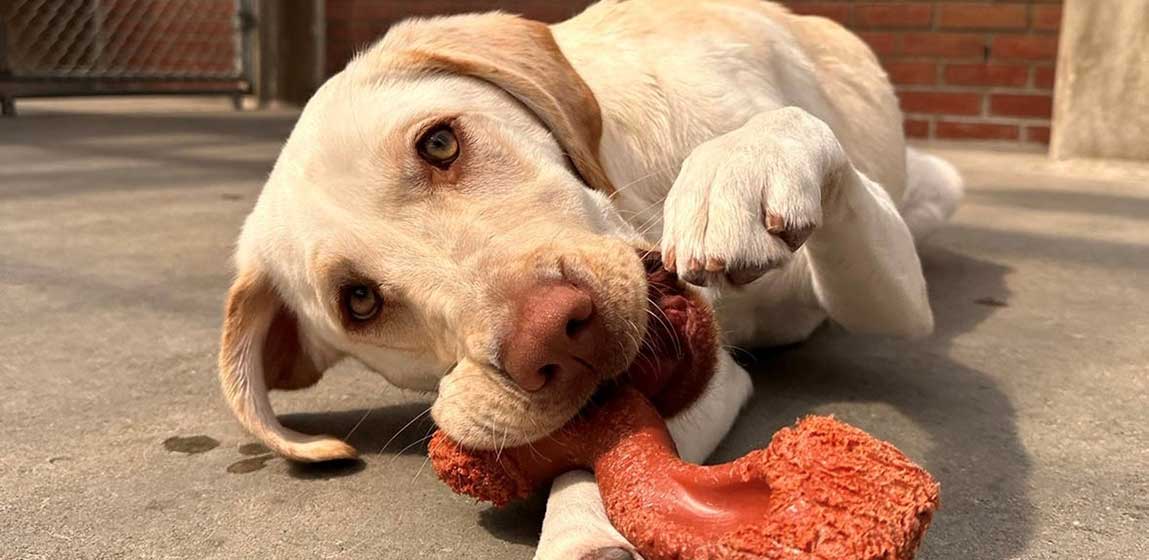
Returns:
(821,490)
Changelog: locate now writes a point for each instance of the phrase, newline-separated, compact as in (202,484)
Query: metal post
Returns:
(291,51)
(5,67)
(7,102)
(319,42)
(267,59)
(245,28)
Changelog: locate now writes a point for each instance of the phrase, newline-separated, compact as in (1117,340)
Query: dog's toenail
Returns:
(774,223)
(743,276)
(668,260)
(695,265)
(715,264)
(696,277)
(609,553)
(795,238)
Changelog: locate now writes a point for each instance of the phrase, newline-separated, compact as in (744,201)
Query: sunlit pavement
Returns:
(116,222)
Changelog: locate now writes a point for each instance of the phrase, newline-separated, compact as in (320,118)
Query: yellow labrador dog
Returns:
(459,209)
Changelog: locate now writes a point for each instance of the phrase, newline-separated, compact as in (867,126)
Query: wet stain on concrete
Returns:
(160,505)
(190,444)
(249,465)
(991,302)
(253,449)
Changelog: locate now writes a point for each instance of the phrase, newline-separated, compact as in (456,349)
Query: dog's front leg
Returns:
(745,201)
(576,526)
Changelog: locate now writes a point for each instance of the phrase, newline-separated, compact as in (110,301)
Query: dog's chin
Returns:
(666,347)
(479,407)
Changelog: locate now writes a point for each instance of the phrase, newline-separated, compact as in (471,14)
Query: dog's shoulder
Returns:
(672,21)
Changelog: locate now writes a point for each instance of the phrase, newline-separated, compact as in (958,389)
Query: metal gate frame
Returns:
(13,85)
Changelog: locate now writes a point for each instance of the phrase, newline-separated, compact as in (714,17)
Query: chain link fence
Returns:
(86,47)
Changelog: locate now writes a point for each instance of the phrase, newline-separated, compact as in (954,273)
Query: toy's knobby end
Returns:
(482,475)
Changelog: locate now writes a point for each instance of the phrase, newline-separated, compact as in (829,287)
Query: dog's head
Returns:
(439,213)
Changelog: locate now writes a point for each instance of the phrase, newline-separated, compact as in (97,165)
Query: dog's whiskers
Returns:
(635,182)
(357,424)
(742,350)
(502,445)
(640,344)
(650,207)
(404,428)
(650,222)
(410,445)
(551,435)
(427,458)
(667,324)
(534,451)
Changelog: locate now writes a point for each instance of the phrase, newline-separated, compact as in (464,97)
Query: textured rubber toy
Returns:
(822,490)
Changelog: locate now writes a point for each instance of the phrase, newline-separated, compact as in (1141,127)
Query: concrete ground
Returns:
(1029,404)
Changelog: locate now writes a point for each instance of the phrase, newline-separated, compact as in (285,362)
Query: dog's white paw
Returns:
(593,552)
(743,202)
(611,553)
(576,526)
(593,544)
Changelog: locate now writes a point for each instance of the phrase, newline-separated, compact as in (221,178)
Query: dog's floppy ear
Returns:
(521,57)
(261,349)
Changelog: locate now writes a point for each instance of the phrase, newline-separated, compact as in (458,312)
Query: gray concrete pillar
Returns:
(1101,100)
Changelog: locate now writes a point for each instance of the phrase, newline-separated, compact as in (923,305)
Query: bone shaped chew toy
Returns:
(822,490)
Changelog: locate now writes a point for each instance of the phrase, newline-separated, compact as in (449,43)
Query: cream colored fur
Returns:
(692,121)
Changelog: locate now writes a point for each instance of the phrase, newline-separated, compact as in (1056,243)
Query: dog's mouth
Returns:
(671,364)
(677,356)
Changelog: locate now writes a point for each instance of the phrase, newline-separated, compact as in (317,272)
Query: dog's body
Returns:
(726,131)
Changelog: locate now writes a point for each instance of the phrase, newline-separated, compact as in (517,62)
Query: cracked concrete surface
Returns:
(116,222)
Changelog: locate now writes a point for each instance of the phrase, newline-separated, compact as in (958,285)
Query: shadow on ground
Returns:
(404,429)
(969,425)
(396,429)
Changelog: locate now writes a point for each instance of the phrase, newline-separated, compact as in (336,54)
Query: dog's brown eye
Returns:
(362,302)
(439,146)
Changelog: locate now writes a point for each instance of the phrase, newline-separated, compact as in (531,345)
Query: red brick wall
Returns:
(354,24)
(963,69)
